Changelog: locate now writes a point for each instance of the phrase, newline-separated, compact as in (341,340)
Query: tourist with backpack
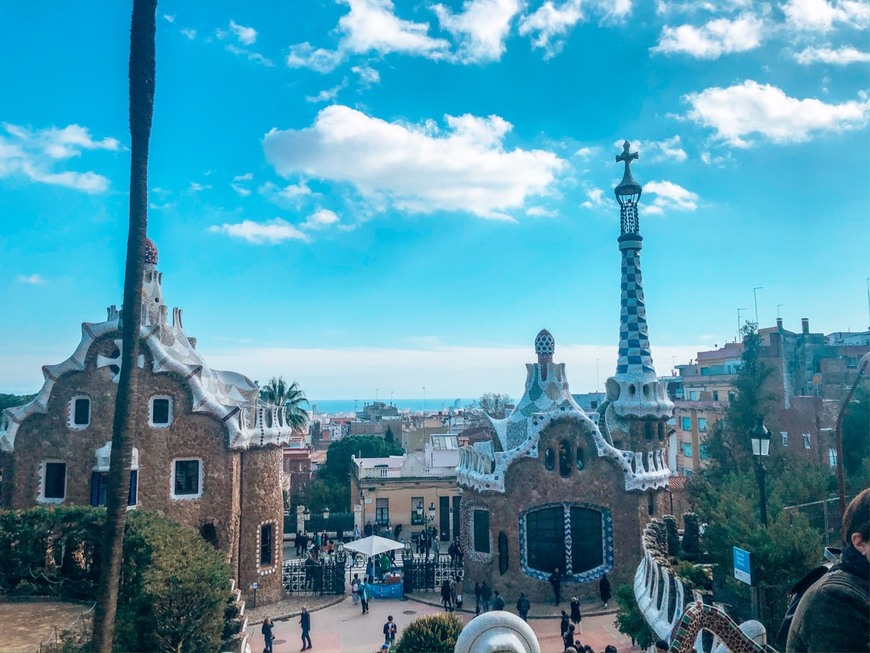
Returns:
(834,613)
(354,588)
(523,606)
(497,601)
(390,630)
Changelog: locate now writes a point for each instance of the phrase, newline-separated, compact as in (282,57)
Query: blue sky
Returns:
(370,195)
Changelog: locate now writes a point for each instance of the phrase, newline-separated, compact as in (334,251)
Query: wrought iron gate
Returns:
(427,574)
(309,577)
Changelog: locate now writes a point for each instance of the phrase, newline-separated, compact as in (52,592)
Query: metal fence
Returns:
(308,577)
(824,516)
(426,573)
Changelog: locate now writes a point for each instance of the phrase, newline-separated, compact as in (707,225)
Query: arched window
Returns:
(549,459)
(565,458)
(576,538)
(581,459)
(647,431)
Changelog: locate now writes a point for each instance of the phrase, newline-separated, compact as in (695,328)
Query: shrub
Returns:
(434,633)
(691,537)
(629,620)
(174,588)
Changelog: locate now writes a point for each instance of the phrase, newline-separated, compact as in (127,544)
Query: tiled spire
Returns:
(634,389)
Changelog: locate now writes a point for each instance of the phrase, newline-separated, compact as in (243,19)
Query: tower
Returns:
(634,394)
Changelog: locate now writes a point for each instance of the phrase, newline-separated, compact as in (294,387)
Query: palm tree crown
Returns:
(277,391)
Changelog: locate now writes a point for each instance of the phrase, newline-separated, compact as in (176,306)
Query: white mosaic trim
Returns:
(466,531)
(265,571)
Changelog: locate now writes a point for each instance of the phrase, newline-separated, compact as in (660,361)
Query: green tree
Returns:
(388,435)
(10,401)
(494,404)
(141,76)
(280,393)
(856,439)
(629,620)
(728,442)
(432,633)
(331,486)
(174,591)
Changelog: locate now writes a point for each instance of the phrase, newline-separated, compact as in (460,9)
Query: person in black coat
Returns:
(556,581)
(305,623)
(604,589)
(563,625)
(575,614)
(268,637)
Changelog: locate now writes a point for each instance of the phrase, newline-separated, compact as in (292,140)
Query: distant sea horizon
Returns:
(331,406)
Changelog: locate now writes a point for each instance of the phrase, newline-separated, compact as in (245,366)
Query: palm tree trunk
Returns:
(142,67)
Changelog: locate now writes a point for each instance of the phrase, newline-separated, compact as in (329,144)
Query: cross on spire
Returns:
(626,156)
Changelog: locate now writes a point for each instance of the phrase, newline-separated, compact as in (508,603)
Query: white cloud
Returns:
(840,57)
(35,153)
(287,197)
(595,199)
(245,35)
(367,75)
(742,110)
(369,26)
(241,190)
(480,29)
(248,176)
(667,149)
(196,188)
(669,196)
(320,220)
(713,39)
(327,94)
(256,57)
(612,9)
(823,16)
(169,18)
(540,212)
(31,279)
(589,152)
(189,32)
(271,231)
(418,168)
(549,25)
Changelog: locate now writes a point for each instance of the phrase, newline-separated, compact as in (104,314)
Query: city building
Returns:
(416,490)
(207,452)
(553,488)
(810,375)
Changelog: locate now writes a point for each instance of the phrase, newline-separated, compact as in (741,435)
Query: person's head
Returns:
(556,570)
(564,614)
(304,609)
(496,592)
(390,618)
(610,648)
(574,599)
(356,576)
(570,649)
(267,620)
(661,645)
(856,524)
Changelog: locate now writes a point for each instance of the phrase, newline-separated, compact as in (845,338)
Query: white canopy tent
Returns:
(373,545)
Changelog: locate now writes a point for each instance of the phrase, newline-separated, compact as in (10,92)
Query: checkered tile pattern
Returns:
(634,352)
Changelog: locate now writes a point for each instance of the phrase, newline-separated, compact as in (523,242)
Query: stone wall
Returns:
(262,504)
(529,484)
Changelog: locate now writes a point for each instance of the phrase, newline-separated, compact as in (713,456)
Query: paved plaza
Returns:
(27,623)
(341,628)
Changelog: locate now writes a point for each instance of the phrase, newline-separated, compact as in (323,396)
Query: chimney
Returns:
(805,326)
(779,324)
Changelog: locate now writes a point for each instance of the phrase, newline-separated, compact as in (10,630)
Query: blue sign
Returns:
(742,566)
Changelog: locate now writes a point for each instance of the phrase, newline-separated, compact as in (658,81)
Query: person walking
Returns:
(563,624)
(485,596)
(356,532)
(556,582)
(497,602)
(354,588)
(365,593)
(575,614)
(446,595)
(268,637)
(604,590)
(390,630)
(436,548)
(305,623)
(457,592)
(523,606)
(833,614)
(568,637)
(477,601)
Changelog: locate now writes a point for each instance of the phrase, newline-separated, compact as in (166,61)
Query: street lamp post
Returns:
(760,437)
(841,480)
